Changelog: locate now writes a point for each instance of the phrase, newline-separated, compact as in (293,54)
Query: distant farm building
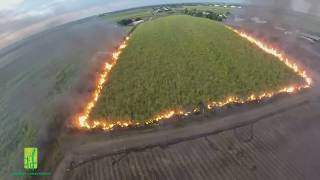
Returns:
(161,9)
(205,13)
(134,23)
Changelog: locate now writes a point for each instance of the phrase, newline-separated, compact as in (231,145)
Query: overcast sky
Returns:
(22,18)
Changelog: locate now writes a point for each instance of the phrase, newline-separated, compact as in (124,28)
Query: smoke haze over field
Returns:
(22,18)
(305,6)
(35,80)
(291,26)
(297,15)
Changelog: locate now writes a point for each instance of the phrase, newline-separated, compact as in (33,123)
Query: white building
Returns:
(137,22)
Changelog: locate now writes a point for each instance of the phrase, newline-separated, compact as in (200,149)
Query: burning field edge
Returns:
(81,119)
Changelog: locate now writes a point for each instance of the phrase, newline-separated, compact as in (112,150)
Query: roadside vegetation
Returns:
(182,61)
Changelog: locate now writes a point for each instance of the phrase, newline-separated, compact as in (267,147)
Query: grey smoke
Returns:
(290,24)
(294,16)
(305,6)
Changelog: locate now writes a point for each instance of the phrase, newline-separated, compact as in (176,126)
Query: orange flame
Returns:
(270,50)
(82,118)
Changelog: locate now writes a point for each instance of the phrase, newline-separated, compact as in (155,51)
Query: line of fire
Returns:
(81,120)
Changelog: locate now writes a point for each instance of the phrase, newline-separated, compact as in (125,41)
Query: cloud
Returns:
(9,4)
(13,34)
(5,19)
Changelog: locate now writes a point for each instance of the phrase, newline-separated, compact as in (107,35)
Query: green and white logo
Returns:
(30,158)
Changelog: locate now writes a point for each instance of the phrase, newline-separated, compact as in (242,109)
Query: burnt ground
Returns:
(279,140)
(283,147)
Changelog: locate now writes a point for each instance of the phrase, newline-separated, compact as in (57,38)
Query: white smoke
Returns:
(305,6)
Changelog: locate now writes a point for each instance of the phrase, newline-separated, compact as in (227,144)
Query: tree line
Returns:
(207,14)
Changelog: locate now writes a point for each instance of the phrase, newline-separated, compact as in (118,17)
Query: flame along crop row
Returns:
(82,119)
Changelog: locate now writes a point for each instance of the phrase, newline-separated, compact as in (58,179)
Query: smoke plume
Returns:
(305,6)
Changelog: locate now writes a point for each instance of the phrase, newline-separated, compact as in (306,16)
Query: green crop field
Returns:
(180,61)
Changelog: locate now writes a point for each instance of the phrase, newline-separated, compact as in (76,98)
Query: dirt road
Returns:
(276,129)
(284,146)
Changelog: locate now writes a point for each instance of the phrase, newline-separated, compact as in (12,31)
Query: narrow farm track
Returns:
(277,151)
(284,146)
